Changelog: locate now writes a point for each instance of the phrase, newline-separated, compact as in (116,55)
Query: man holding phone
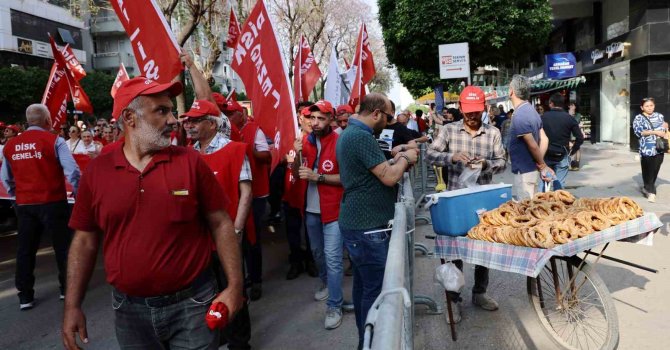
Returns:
(463,147)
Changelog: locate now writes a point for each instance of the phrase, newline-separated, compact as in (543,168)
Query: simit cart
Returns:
(570,299)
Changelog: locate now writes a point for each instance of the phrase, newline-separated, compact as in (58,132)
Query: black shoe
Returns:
(294,271)
(256,291)
(312,271)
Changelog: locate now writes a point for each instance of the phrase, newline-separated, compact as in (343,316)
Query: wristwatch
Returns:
(239,232)
(322,178)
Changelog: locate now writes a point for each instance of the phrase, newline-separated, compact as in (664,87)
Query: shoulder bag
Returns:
(661,143)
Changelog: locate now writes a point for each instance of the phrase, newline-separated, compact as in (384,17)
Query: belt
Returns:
(169,299)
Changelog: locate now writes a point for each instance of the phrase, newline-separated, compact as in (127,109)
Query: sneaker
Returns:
(644,191)
(256,291)
(333,318)
(322,293)
(347,306)
(27,306)
(62,296)
(455,312)
(312,271)
(484,301)
(294,271)
(651,198)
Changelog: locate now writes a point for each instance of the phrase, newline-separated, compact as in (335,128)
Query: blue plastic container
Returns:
(454,213)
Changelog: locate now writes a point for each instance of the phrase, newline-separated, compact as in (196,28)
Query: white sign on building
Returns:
(454,61)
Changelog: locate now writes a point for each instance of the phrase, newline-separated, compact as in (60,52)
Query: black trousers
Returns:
(276,189)
(34,220)
(295,227)
(650,168)
(481,280)
(238,332)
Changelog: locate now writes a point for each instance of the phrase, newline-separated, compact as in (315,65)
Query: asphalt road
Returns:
(287,317)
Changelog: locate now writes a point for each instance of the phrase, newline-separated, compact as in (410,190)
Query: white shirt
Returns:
(261,142)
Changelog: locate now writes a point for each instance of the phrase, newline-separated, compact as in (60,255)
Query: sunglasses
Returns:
(386,114)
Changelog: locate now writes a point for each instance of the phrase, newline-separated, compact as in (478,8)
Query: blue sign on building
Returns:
(560,66)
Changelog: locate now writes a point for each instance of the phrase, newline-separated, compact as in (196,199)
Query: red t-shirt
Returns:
(156,237)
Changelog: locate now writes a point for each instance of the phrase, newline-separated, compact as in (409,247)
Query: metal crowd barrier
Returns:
(389,324)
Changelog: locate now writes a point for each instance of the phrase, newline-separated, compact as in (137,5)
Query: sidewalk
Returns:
(640,296)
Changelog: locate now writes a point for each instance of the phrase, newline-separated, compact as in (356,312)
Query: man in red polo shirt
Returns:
(260,169)
(229,161)
(157,223)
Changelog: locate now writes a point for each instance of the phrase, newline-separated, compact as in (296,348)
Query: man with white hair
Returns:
(37,162)
(229,160)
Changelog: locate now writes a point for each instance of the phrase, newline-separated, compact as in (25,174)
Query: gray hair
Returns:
(37,114)
(136,105)
(521,86)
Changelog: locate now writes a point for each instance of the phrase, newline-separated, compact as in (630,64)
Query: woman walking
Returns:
(648,127)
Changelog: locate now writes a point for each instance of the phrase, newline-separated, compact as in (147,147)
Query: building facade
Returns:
(24,29)
(623,49)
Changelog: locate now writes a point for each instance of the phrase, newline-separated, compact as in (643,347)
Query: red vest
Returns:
(329,195)
(226,164)
(38,174)
(259,171)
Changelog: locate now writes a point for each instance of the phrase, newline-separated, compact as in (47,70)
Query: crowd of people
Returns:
(193,195)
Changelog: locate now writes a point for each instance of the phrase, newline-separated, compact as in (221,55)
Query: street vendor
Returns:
(469,148)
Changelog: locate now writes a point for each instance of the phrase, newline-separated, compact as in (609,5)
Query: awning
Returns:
(428,98)
(543,86)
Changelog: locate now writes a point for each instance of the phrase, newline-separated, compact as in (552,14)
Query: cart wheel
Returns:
(574,305)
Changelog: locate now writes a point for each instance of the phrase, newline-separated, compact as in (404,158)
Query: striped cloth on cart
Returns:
(530,261)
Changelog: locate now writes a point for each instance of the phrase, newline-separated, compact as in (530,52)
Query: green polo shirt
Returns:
(367,203)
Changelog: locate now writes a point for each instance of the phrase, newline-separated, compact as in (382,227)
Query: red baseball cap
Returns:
(13,127)
(141,86)
(472,99)
(201,108)
(322,106)
(232,106)
(219,99)
(305,111)
(345,109)
(2,125)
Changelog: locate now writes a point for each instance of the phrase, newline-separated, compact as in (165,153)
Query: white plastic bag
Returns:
(469,176)
(450,277)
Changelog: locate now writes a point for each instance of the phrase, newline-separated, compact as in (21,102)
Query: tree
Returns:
(499,32)
(20,88)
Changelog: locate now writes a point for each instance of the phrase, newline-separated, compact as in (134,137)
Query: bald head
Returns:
(38,115)
(375,101)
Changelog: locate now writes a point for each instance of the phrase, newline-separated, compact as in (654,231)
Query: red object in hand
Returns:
(217,316)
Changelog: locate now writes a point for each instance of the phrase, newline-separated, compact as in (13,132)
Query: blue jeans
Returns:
(325,240)
(561,169)
(368,256)
(157,324)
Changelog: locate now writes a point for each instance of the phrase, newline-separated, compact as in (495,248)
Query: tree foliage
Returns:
(499,32)
(18,89)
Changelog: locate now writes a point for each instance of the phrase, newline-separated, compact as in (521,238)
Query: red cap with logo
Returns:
(305,111)
(201,108)
(345,109)
(141,86)
(322,106)
(472,99)
(232,106)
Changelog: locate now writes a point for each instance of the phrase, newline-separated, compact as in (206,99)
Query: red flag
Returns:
(121,76)
(309,70)
(259,63)
(79,97)
(232,96)
(154,45)
(72,63)
(233,30)
(56,95)
(364,65)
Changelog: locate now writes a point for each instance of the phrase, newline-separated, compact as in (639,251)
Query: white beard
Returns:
(149,138)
